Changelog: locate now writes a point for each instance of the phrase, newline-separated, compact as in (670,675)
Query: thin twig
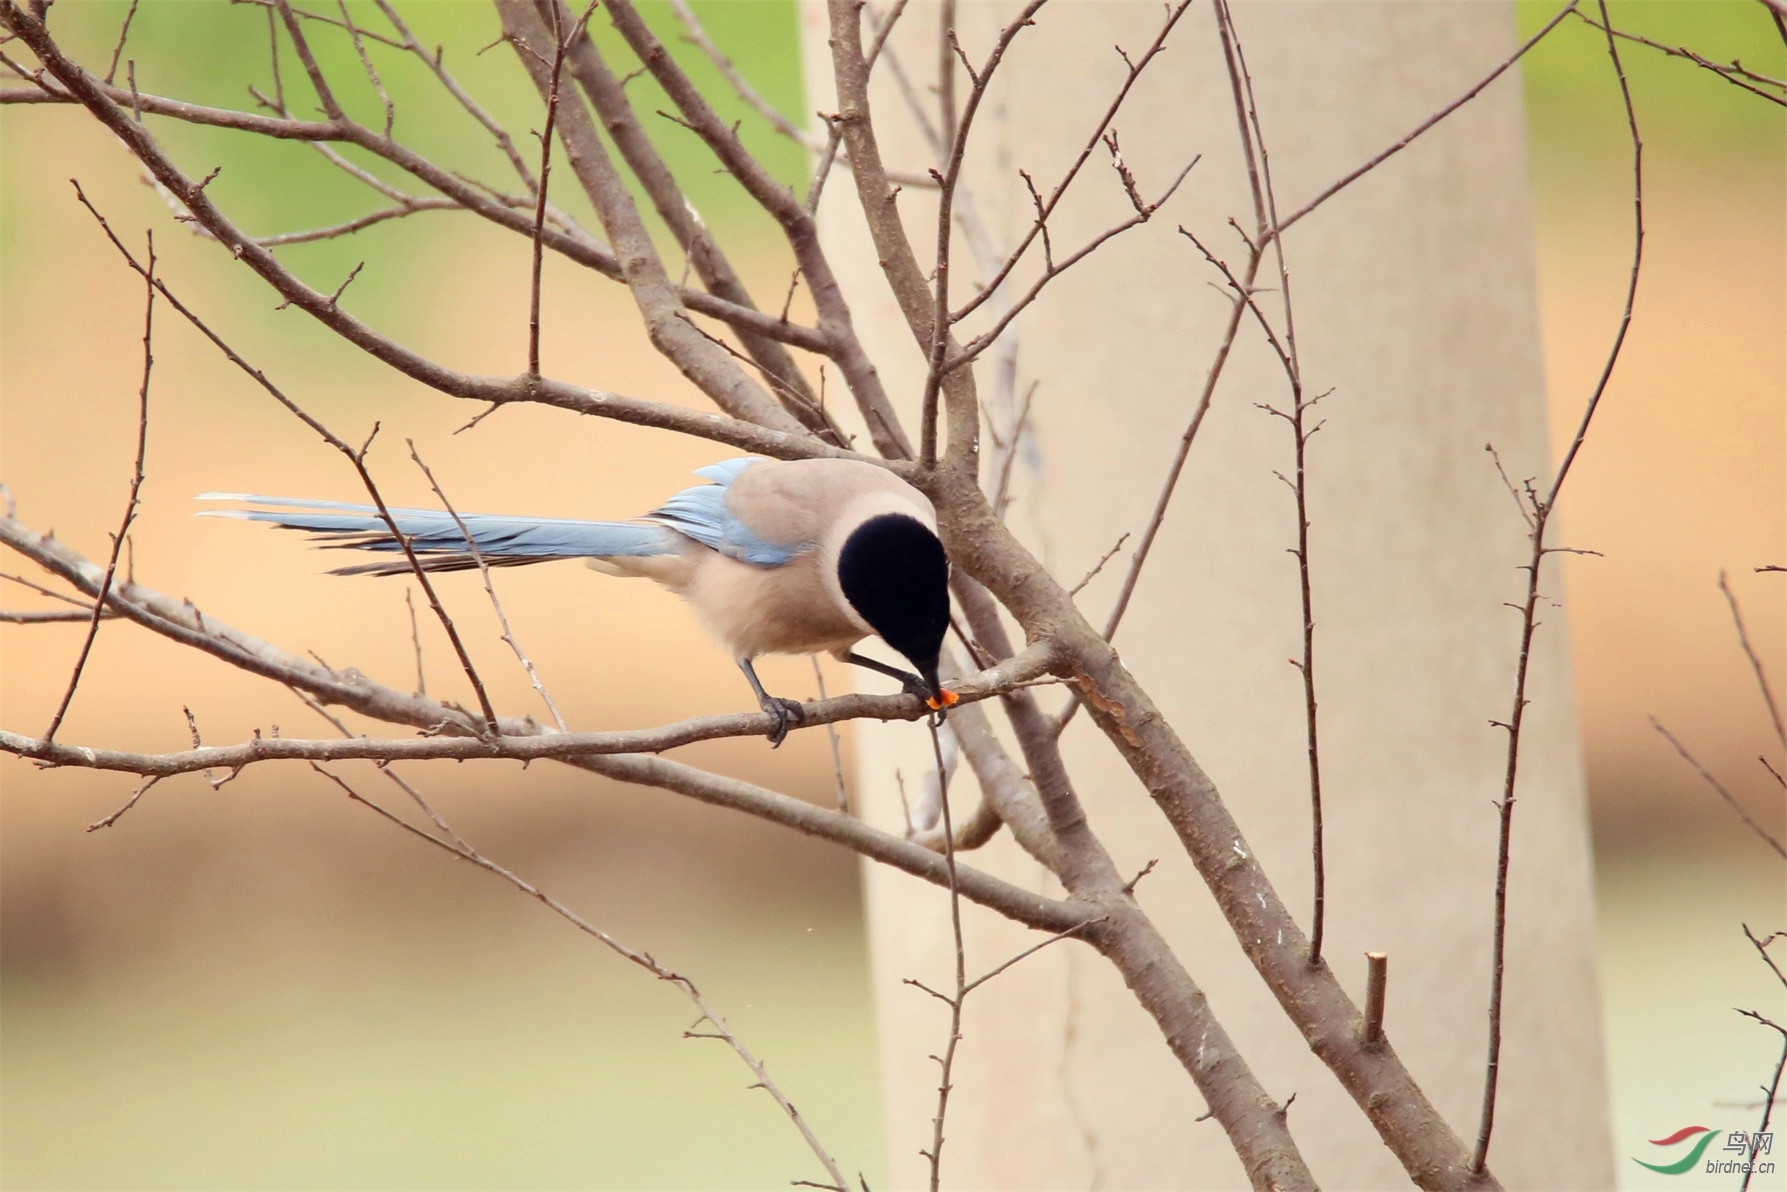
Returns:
(1743,639)
(49,616)
(273,56)
(1771,1091)
(1008,457)
(416,640)
(83,605)
(490,589)
(434,63)
(831,735)
(1352,177)
(561,44)
(410,206)
(1508,483)
(456,845)
(946,1062)
(1099,566)
(1032,950)
(519,742)
(1142,214)
(1761,946)
(697,34)
(355,456)
(321,19)
(136,488)
(1266,218)
(1732,72)
(1161,503)
(1719,788)
(113,818)
(947,50)
(378,85)
(1542,508)
(1047,207)
(941,320)
(123,35)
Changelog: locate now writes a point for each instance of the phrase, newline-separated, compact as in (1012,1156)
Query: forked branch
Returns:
(1541,510)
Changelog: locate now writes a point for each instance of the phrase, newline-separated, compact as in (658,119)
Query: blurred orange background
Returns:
(266,986)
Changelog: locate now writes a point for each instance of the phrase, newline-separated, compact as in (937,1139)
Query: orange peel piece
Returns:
(950,699)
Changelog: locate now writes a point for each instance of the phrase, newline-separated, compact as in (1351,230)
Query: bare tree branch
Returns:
(372,76)
(521,745)
(946,1062)
(434,63)
(48,616)
(1733,72)
(1127,937)
(795,220)
(449,729)
(877,194)
(1720,789)
(455,844)
(502,618)
(468,195)
(301,46)
(136,484)
(609,97)
(1771,1091)
(409,206)
(1542,509)
(560,43)
(1743,639)
(1265,218)
(355,456)
(123,36)
(1163,501)
(1426,124)
(697,36)
(938,349)
(1054,269)
(660,308)
(1046,207)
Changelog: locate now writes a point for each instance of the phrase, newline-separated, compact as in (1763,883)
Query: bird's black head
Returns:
(894,573)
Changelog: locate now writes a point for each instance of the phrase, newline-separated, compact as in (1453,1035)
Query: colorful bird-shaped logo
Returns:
(1706,1133)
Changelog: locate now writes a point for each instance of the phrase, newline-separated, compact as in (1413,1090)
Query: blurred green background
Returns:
(264,986)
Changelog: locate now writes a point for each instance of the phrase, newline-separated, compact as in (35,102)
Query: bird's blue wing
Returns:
(702,514)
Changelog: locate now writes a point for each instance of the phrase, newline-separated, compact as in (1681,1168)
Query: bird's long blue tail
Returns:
(436,538)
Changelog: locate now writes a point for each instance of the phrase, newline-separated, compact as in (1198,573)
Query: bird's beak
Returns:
(940,697)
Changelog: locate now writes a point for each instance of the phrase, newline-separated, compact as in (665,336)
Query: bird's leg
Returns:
(786,711)
(910,683)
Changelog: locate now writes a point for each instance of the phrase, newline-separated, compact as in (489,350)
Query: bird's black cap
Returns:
(894,573)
